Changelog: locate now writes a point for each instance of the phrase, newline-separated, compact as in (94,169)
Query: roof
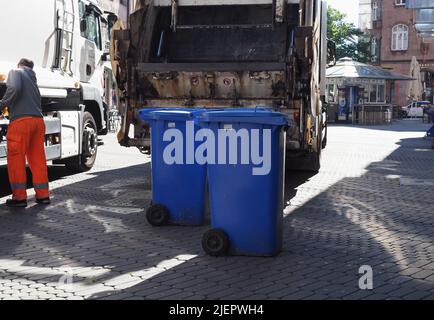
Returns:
(348,68)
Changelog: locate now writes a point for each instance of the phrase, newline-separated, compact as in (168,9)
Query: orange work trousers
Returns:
(26,140)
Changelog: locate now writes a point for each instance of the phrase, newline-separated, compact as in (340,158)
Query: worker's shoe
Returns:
(12,203)
(45,201)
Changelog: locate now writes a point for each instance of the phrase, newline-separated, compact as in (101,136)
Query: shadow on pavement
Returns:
(54,173)
(371,220)
(114,254)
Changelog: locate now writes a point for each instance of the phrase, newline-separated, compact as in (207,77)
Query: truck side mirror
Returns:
(105,56)
(112,18)
(83,25)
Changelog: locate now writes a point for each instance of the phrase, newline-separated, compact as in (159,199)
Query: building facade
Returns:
(394,42)
(121,8)
(365,11)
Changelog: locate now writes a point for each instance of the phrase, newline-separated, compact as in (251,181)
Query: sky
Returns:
(349,7)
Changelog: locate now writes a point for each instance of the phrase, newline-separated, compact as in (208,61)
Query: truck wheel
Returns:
(86,160)
(215,243)
(313,159)
(313,162)
(309,162)
(157,215)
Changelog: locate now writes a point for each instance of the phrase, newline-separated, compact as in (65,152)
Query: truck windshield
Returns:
(93,29)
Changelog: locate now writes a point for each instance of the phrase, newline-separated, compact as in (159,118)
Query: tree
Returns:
(350,41)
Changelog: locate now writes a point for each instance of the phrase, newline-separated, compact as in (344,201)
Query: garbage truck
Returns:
(68,40)
(227,54)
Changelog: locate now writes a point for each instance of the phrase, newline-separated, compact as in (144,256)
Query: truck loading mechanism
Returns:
(186,53)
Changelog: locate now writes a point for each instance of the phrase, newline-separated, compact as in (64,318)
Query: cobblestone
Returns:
(358,210)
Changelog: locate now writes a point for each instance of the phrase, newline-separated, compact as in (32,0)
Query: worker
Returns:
(25,135)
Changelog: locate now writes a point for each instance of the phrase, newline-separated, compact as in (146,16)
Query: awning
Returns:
(348,68)
(419,4)
(424,16)
(426,34)
(424,27)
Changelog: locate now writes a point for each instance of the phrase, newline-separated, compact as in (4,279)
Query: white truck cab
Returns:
(66,41)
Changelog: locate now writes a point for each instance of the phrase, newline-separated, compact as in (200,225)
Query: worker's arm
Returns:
(13,89)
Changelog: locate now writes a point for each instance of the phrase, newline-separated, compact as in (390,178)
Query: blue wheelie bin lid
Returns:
(246,115)
(176,114)
(168,113)
(145,114)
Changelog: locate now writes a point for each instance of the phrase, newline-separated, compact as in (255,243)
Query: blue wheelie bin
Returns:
(246,197)
(430,132)
(178,182)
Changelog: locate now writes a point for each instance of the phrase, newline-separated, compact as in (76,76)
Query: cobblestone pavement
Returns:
(371,204)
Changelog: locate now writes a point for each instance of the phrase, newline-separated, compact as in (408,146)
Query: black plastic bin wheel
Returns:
(157,215)
(215,243)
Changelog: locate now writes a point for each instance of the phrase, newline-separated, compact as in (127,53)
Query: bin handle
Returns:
(261,107)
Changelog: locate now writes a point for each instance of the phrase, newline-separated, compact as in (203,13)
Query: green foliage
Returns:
(350,41)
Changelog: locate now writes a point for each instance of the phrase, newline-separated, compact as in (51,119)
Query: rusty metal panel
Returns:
(177,103)
(215,85)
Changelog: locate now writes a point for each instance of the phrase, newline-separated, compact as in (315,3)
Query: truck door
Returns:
(91,69)
(107,22)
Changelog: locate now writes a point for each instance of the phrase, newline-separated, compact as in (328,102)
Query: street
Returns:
(371,205)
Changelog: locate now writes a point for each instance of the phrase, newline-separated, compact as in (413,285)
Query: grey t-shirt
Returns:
(22,95)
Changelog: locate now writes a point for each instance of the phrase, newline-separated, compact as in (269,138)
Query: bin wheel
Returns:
(157,215)
(215,243)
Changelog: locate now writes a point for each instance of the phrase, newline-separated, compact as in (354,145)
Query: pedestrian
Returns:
(25,135)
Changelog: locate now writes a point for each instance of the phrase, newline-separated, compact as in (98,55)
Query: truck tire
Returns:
(308,162)
(313,162)
(313,159)
(86,160)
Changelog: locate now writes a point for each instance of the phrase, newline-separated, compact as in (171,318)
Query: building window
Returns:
(377,93)
(375,11)
(381,97)
(400,37)
(374,49)
(400,2)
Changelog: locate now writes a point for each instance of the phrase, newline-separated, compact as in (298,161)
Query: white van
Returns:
(415,109)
